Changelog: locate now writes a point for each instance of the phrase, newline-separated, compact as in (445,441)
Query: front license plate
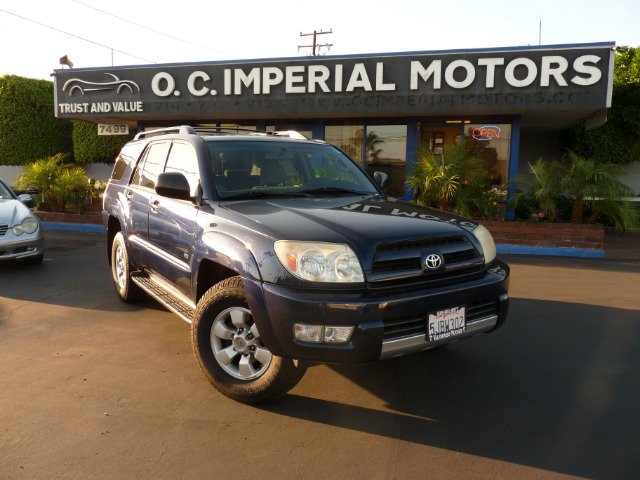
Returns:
(446,323)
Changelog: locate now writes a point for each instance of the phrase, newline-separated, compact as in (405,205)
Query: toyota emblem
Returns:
(433,261)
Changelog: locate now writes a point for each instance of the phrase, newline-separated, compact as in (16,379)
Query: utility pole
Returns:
(315,45)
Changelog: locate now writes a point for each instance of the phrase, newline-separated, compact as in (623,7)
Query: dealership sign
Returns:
(509,80)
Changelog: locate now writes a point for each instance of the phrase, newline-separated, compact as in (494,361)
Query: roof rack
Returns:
(182,130)
(189,130)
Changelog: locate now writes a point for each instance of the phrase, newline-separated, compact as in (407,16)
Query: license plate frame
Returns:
(446,323)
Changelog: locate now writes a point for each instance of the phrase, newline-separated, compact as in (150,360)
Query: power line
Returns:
(152,30)
(75,36)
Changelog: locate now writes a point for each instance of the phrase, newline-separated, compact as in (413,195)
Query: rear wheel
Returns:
(227,345)
(121,270)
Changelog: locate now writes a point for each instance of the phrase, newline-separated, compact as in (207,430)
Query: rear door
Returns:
(138,197)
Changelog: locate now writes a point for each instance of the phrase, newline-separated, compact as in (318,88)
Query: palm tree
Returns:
(454,180)
(54,180)
(595,184)
(541,185)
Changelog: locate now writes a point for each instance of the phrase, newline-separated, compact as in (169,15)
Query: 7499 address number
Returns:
(113,129)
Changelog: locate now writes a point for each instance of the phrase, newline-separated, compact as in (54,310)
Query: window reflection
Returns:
(347,136)
(386,147)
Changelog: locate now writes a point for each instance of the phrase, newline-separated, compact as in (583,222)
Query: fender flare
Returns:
(228,252)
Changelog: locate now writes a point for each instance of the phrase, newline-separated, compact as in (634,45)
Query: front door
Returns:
(172,223)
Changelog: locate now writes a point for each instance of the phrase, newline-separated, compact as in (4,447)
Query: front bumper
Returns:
(386,325)
(16,248)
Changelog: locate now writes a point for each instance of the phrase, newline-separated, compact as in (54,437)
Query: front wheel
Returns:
(227,345)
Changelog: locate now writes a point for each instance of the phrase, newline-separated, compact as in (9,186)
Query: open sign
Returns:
(487,132)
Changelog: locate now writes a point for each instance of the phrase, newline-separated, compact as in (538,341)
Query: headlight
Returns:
(28,225)
(487,243)
(319,262)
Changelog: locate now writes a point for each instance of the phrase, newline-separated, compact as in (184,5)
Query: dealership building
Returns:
(513,103)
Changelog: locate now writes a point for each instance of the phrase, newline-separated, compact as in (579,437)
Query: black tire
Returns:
(227,345)
(121,270)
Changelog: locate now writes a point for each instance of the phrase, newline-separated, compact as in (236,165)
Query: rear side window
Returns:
(148,170)
(128,156)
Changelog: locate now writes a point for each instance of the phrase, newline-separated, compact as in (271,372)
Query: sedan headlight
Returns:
(486,241)
(28,225)
(320,262)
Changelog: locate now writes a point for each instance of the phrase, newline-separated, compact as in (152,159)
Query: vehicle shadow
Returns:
(556,389)
(74,273)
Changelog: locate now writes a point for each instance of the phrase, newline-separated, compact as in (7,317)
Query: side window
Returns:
(147,172)
(183,159)
(128,156)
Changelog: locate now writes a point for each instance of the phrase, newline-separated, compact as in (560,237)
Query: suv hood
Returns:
(356,221)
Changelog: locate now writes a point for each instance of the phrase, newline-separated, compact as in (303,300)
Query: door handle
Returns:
(155,206)
(129,195)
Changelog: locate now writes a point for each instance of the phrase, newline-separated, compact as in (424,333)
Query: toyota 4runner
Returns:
(281,252)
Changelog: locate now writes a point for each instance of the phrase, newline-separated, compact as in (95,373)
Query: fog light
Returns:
(308,333)
(321,334)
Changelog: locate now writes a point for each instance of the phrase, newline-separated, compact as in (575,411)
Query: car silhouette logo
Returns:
(84,86)
(433,261)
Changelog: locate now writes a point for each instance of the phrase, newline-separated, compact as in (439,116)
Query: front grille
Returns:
(417,325)
(3,229)
(400,264)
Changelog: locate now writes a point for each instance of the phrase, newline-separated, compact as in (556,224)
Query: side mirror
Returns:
(380,178)
(26,199)
(173,185)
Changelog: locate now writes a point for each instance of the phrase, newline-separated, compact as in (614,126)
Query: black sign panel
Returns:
(499,81)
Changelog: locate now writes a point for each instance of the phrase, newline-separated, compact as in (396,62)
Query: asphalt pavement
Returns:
(91,387)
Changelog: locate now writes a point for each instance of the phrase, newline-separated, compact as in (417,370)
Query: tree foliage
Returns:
(618,140)
(28,127)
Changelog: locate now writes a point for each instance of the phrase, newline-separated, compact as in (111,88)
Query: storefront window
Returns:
(386,151)
(435,137)
(347,136)
(489,140)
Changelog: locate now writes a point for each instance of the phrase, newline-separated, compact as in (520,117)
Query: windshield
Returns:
(4,192)
(255,168)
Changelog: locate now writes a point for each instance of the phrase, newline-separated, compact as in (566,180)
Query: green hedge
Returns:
(89,147)
(28,127)
(610,142)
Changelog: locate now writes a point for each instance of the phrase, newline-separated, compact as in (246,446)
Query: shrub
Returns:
(89,147)
(588,188)
(28,127)
(58,182)
(455,180)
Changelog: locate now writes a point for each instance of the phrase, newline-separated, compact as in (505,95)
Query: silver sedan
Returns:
(21,235)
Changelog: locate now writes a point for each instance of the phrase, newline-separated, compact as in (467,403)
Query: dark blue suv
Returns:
(281,252)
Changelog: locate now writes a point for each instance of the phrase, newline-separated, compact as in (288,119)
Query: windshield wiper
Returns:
(262,193)
(336,191)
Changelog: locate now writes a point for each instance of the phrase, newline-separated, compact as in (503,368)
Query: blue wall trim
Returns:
(549,251)
(74,227)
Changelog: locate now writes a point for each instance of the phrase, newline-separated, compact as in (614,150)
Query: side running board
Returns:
(171,302)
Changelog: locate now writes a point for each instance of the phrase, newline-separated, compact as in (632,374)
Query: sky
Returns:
(35,34)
